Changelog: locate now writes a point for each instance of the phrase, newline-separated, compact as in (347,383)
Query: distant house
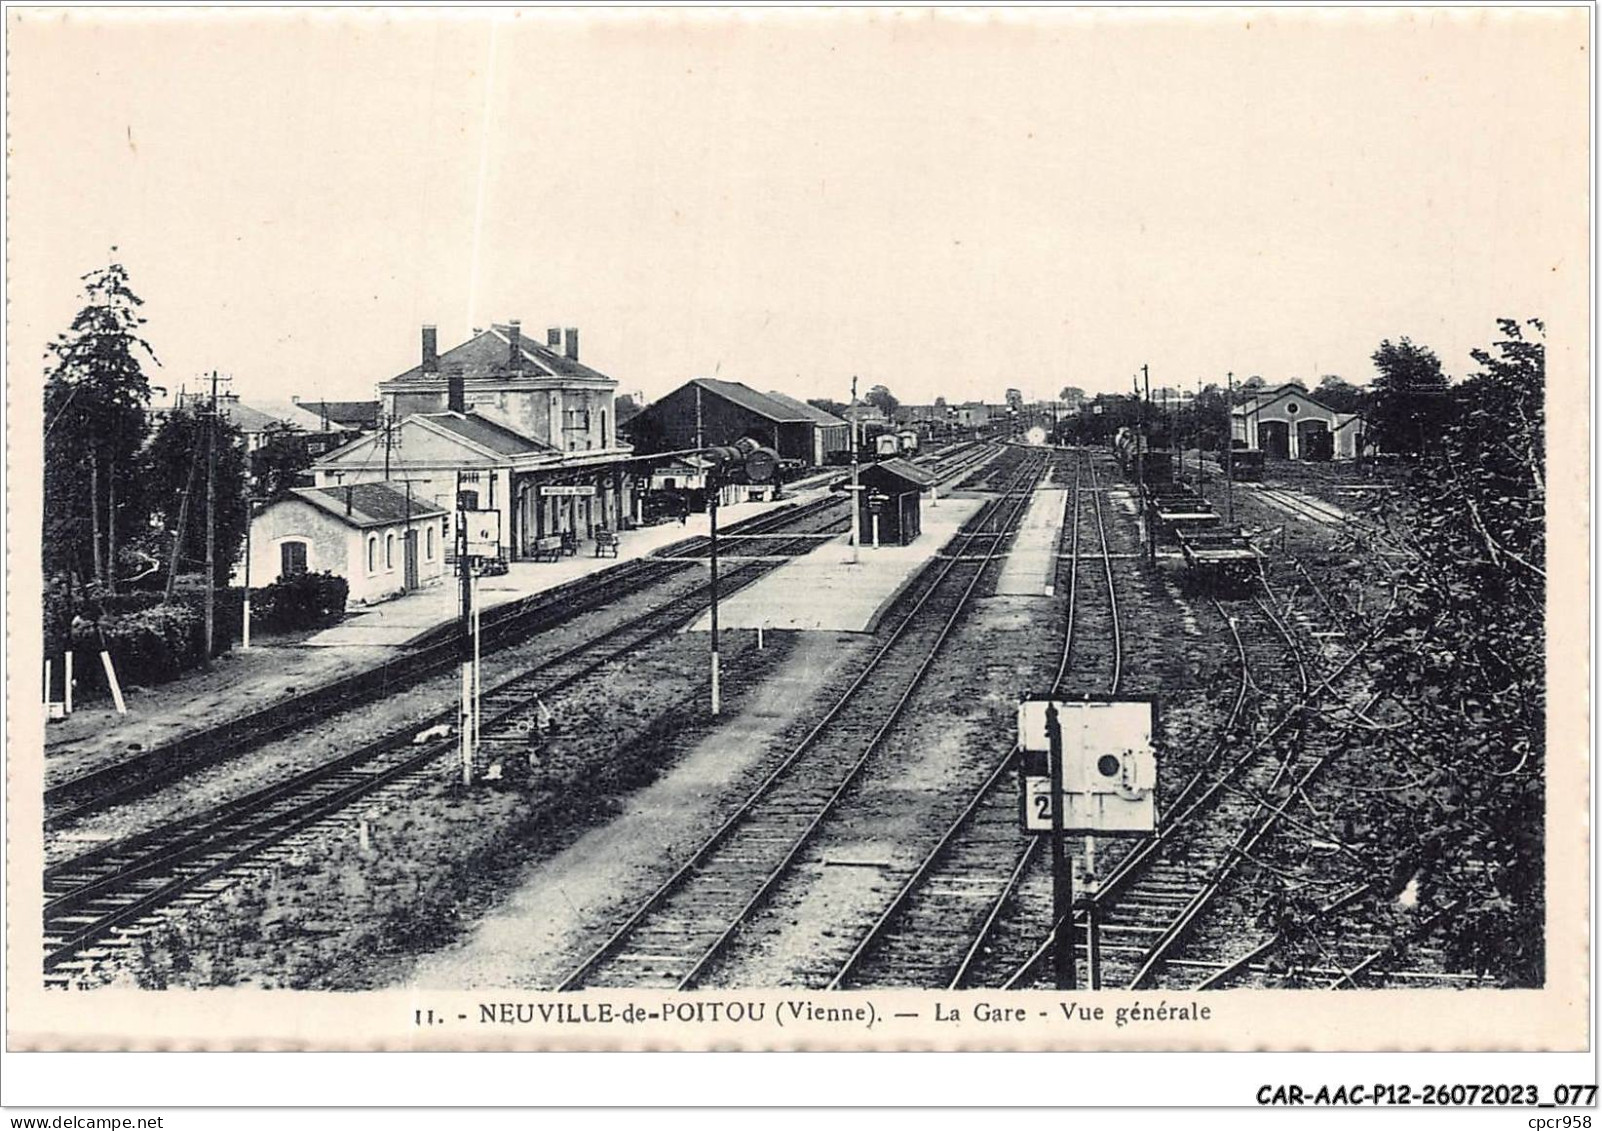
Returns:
(346,416)
(381,541)
(974,414)
(1288,423)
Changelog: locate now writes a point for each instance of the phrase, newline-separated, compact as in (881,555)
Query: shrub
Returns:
(302,601)
(148,646)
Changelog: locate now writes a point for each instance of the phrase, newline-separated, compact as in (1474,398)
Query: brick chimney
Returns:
(430,350)
(572,343)
(456,390)
(553,339)
(514,351)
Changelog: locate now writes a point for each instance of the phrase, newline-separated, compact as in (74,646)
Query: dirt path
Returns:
(565,906)
(238,682)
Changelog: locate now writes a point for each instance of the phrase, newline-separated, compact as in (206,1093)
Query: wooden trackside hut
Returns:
(892,490)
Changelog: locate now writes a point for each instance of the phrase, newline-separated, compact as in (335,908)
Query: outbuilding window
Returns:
(292,559)
(372,553)
(389,551)
(428,544)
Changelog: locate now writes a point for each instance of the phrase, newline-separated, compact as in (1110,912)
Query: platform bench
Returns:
(548,549)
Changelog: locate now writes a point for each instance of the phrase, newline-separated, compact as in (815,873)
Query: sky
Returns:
(945,204)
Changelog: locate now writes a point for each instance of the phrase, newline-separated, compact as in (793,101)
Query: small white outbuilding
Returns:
(383,542)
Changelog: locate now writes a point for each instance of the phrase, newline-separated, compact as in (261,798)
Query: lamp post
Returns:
(759,464)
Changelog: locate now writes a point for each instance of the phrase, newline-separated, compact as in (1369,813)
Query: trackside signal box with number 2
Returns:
(1109,766)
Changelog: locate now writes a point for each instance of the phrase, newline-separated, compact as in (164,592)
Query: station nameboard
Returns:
(1109,766)
(574,490)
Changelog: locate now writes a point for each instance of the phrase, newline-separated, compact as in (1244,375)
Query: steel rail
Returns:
(719,836)
(877,740)
(436,652)
(220,827)
(902,901)
(128,779)
(1188,808)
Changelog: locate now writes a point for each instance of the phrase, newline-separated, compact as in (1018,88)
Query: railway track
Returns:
(944,919)
(109,894)
(92,895)
(1159,892)
(131,778)
(686,926)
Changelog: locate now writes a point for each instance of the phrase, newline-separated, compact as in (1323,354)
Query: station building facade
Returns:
(518,427)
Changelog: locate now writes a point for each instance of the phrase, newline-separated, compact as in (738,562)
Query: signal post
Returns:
(1089,768)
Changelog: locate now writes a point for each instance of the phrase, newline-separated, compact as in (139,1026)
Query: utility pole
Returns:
(465,575)
(714,480)
(211,520)
(1229,452)
(1062,878)
(389,442)
(856,519)
(245,618)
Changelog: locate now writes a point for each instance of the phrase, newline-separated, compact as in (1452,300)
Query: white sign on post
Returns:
(1109,766)
(483,533)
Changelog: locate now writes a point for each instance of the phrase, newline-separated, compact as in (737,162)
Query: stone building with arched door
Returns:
(1287,423)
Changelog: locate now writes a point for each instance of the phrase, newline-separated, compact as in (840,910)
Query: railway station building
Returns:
(518,427)
(384,540)
(1287,423)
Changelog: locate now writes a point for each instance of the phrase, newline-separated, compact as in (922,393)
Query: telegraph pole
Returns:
(856,519)
(715,483)
(1062,878)
(1229,452)
(211,521)
(465,575)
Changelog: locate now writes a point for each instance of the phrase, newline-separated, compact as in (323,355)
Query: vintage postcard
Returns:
(834,529)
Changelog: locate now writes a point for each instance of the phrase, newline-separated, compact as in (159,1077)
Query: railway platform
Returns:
(823,591)
(399,622)
(1031,567)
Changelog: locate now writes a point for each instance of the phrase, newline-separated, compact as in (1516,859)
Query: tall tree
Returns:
(627,406)
(279,461)
(1410,406)
(1465,651)
(96,399)
(176,464)
(833,408)
(1340,394)
(881,398)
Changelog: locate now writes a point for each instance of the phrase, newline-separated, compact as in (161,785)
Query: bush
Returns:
(149,646)
(302,601)
(150,640)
